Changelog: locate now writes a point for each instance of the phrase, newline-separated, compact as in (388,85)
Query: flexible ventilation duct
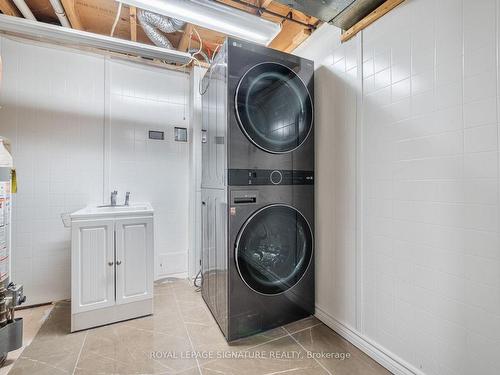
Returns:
(153,24)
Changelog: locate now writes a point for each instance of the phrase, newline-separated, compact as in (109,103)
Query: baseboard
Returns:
(111,314)
(182,275)
(386,358)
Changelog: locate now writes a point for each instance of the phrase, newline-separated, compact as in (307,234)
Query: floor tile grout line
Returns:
(286,334)
(151,331)
(185,328)
(42,362)
(302,329)
(302,346)
(80,352)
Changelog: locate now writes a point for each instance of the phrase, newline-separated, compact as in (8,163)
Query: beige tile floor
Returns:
(33,319)
(180,327)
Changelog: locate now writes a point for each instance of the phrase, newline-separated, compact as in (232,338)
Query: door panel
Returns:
(274,108)
(92,264)
(214,256)
(214,125)
(134,260)
(274,249)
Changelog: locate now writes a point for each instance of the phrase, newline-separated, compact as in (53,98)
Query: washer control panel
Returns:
(248,177)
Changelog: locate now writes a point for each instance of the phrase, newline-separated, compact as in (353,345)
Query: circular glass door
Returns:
(274,249)
(274,108)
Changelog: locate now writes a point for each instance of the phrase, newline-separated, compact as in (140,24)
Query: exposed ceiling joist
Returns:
(184,42)
(97,16)
(8,8)
(265,3)
(74,19)
(369,19)
(296,26)
(285,39)
(297,40)
(133,23)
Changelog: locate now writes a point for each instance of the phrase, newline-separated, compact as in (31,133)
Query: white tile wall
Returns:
(141,99)
(336,82)
(54,119)
(429,157)
(53,104)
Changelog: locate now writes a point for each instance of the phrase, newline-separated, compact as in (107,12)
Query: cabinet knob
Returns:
(110,263)
(118,262)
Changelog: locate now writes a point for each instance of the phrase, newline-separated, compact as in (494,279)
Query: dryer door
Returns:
(274,249)
(274,108)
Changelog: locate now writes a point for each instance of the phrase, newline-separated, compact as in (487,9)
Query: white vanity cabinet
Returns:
(112,260)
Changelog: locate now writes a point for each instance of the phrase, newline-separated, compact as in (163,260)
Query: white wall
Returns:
(78,123)
(427,249)
(143,99)
(335,121)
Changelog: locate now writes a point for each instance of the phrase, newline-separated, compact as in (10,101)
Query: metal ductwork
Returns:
(154,25)
(341,13)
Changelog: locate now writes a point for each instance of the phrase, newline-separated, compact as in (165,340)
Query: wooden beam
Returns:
(184,42)
(265,3)
(291,35)
(133,23)
(369,19)
(74,20)
(9,9)
(297,40)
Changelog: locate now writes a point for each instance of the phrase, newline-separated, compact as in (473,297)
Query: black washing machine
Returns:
(271,256)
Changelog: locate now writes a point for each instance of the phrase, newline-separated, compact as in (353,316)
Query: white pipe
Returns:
(60,13)
(81,39)
(24,9)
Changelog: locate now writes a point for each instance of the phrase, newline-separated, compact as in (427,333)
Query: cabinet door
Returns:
(92,265)
(134,259)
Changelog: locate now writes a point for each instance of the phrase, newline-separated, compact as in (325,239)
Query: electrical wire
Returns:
(117,18)
(199,276)
(200,49)
(215,51)
(199,39)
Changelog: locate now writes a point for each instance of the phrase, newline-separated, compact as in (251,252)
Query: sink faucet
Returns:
(127,198)
(113,198)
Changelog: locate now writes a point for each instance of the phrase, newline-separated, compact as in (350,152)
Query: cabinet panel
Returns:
(92,264)
(134,259)
(214,252)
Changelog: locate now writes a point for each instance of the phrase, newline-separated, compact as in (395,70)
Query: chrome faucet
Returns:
(127,198)
(113,198)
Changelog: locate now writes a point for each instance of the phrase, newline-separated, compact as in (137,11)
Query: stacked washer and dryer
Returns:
(257,188)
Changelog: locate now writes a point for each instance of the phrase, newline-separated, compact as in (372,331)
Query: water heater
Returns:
(11,295)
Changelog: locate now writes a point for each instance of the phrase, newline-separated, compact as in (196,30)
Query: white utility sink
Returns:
(135,209)
(112,264)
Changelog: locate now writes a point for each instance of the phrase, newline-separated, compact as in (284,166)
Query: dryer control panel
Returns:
(248,177)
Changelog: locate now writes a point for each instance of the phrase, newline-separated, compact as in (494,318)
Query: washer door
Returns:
(274,108)
(274,249)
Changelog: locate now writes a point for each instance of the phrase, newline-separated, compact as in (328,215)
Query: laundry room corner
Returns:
(250,187)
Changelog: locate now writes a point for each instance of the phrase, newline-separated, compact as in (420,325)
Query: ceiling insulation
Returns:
(341,13)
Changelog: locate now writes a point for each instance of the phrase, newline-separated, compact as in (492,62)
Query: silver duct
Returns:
(153,23)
